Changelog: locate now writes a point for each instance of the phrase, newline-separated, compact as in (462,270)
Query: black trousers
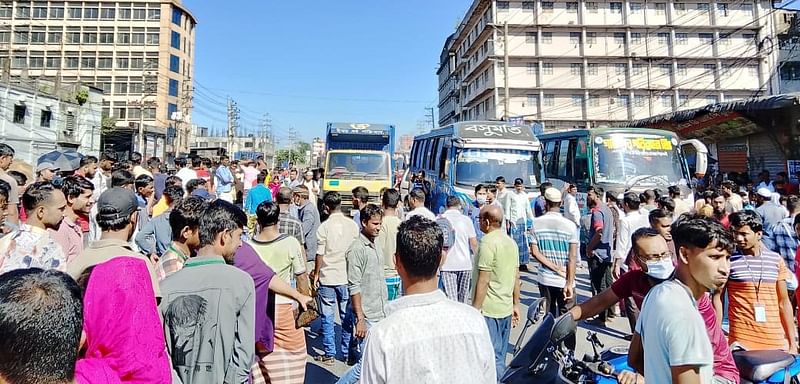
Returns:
(601,279)
(557,305)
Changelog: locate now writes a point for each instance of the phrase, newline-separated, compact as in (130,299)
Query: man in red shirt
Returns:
(719,204)
(653,257)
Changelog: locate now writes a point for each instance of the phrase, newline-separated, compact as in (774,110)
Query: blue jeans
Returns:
(354,374)
(499,331)
(330,297)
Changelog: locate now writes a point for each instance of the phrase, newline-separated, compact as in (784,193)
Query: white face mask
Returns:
(660,270)
(481,200)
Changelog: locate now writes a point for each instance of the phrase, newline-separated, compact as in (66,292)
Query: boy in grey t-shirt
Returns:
(670,332)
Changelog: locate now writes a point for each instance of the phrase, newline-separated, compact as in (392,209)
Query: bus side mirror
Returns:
(701,163)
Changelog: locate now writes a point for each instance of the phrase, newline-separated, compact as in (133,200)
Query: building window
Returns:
(620,68)
(502,5)
(619,38)
(624,100)
(71,62)
(722,9)
(108,13)
(44,121)
(173,87)
(679,7)
(137,63)
(575,69)
(710,67)
(616,7)
(681,38)
(591,69)
(91,13)
(636,37)
(638,69)
(54,37)
(683,100)
(175,41)
(661,8)
(591,7)
(38,37)
(21,37)
(702,7)
(36,62)
(750,38)
(136,88)
(752,70)
(591,37)
(171,108)
(577,100)
(572,7)
(123,38)
(6,11)
(88,62)
(107,38)
(5,37)
(153,14)
(638,101)
(711,99)
(121,88)
(663,38)
(105,62)
(682,70)
(725,38)
(139,14)
(706,38)
(533,101)
(19,114)
(528,5)
(137,38)
(548,100)
(176,16)
(747,7)
(90,38)
(666,101)
(174,63)
(73,37)
(123,63)
(124,13)
(575,37)
(152,38)
(547,7)
(74,13)
(53,62)
(532,68)
(666,69)
(530,37)
(547,37)
(57,13)
(636,8)
(547,68)
(40,12)
(594,101)
(23,12)
(119,113)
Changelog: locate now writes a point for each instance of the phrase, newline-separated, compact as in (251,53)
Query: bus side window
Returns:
(548,159)
(582,163)
(444,157)
(432,155)
(564,161)
(414,150)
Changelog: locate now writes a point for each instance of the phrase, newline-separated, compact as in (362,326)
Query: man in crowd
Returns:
(784,239)
(209,300)
(117,216)
(572,211)
(41,325)
(360,200)
(102,178)
(765,181)
(88,167)
(159,179)
(312,185)
(387,239)
(661,221)
(759,310)
(223,180)
(334,237)
(413,323)
(719,203)
(367,287)
(599,249)
(162,204)
(672,342)
(481,199)
(184,222)
(293,180)
(733,200)
(648,200)
(539,205)
(502,192)
(31,245)
(79,194)
(288,223)
(308,215)
(257,195)
(681,206)
(416,199)
(136,162)
(185,171)
(633,220)
(496,284)
(517,211)
(771,213)
(47,171)
(156,235)
(555,246)
(457,268)
(654,265)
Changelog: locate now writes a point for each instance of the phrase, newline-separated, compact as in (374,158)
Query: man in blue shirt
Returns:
(223,179)
(257,195)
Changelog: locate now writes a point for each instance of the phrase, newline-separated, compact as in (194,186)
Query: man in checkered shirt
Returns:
(288,224)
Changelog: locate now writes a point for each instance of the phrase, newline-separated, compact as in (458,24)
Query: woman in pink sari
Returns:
(275,186)
(124,338)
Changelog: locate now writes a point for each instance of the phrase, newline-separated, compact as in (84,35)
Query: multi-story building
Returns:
(317,152)
(141,54)
(586,63)
(789,52)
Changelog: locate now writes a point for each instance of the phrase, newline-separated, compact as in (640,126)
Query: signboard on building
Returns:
(793,166)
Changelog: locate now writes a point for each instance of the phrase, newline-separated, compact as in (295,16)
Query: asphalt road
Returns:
(612,335)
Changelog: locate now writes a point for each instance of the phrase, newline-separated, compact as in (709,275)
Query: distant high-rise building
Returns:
(141,54)
(405,143)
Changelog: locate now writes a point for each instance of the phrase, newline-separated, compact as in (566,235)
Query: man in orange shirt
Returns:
(759,310)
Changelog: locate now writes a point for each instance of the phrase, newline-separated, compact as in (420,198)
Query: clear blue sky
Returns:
(308,63)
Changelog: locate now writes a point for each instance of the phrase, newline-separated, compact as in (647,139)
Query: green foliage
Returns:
(292,155)
(81,96)
(108,125)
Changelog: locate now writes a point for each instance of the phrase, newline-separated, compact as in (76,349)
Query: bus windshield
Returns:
(483,165)
(638,159)
(357,166)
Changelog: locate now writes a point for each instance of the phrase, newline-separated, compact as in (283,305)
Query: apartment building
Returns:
(789,52)
(584,63)
(141,54)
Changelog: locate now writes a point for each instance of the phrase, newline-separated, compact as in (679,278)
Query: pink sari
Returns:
(124,337)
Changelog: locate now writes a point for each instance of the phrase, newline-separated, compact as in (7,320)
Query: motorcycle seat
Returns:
(760,365)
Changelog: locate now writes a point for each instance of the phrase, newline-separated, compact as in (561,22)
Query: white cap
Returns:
(552,195)
(764,192)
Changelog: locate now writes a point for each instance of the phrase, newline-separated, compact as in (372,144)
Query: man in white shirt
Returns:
(518,213)
(185,172)
(416,199)
(572,211)
(633,220)
(671,343)
(501,197)
(138,170)
(458,264)
(425,337)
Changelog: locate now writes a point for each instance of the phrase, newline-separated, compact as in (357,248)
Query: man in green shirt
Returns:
(496,290)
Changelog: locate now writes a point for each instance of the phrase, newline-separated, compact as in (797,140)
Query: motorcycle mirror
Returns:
(564,327)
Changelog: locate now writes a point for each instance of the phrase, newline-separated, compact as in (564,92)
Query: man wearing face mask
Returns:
(651,254)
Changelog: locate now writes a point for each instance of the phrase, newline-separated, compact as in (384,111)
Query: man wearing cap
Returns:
(555,246)
(770,212)
(312,185)
(117,216)
(46,171)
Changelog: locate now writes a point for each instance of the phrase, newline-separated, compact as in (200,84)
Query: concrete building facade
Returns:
(584,63)
(140,54)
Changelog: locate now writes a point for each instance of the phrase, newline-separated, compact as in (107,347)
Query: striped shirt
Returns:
(554,234)
(754,281)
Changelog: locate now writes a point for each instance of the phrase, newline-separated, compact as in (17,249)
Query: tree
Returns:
(290,155)
(108,125)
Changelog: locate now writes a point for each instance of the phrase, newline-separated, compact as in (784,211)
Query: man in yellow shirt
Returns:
(163,205)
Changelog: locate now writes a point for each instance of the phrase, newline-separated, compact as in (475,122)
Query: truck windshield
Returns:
(358,166)
(483,165)
(643,160)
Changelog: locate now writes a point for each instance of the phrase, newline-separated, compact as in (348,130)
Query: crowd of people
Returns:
(114,271)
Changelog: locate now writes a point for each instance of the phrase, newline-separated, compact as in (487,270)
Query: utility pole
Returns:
(233,124)
(266,132)
(146,91)
(431,117)
(182,133)
(506,101)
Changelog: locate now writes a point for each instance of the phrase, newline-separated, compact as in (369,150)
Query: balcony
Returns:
(67,136)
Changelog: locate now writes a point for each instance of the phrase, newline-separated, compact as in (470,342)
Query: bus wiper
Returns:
(638,179)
